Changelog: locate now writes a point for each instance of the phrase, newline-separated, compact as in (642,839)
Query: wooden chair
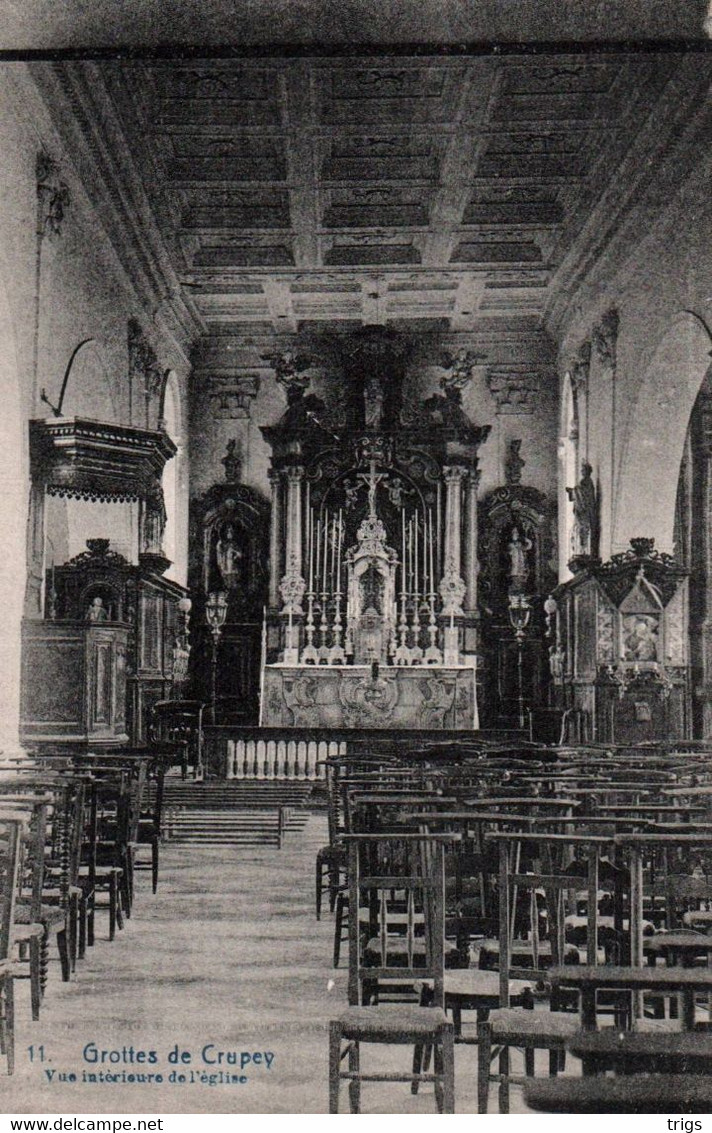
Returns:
(10,833)
(409,868)
(180,722)
(531,1030)
(645,1093)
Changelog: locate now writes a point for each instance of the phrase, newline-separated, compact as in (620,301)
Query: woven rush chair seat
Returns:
(396,1021)
(644,1093)
(533,1024)
(522,954)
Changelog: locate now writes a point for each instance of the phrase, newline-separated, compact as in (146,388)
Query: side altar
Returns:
(372,619)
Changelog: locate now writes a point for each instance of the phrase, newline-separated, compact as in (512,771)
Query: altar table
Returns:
(352,696)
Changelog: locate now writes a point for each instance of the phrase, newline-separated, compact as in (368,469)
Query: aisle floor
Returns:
(226,957)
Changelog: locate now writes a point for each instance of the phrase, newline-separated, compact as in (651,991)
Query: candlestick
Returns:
(339,543)
(410,553)
(425,556)
(326,551)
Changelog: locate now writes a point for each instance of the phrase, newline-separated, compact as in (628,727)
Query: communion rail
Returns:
(233,752)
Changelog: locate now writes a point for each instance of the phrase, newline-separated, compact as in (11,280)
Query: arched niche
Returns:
(655,444)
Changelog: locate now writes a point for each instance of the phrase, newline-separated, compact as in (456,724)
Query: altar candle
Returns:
(410,552)
(305,530)
(325,564)
(339,542)
(430,541)
(415,550)
(318,550)
(425,556)
(310,545)
(403,583)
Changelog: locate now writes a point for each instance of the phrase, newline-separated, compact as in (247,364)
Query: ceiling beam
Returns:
(278,294)
(299,114)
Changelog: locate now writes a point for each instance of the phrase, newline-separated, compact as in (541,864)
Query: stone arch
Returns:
(653,450)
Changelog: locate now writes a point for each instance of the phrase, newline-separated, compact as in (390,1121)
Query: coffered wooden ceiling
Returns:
(432,192)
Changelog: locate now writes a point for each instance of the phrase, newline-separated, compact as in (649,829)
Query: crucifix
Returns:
(372,479)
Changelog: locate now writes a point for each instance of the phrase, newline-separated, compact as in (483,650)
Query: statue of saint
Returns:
(232,463)
(154,524)
(373,402)
(97,611)
(229,556)
(585,502)
(518,569)
(514,463)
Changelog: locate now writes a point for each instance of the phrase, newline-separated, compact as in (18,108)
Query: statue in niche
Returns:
(229,557)
(97,611)
(373,402)
(154,524)
(514,463)
(585,502)
(232,463)
(517,549)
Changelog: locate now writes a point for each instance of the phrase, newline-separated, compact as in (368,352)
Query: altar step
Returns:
(216,793)
(230,813)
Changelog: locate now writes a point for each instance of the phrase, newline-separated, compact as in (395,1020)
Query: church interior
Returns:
(356,500)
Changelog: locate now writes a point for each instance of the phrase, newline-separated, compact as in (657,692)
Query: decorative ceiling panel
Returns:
(340,190)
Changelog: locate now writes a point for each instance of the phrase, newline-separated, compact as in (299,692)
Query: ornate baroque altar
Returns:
(372,620)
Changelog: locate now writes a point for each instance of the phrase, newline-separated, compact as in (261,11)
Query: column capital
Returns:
(454,473)
(294,473)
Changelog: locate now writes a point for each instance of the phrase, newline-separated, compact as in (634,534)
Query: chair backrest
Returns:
(179,721)
(388,873)
(10,834)
(551,878)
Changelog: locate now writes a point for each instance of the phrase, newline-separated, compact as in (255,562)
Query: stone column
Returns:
(470,549)
(452,587)
(293,585)
(275,532)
